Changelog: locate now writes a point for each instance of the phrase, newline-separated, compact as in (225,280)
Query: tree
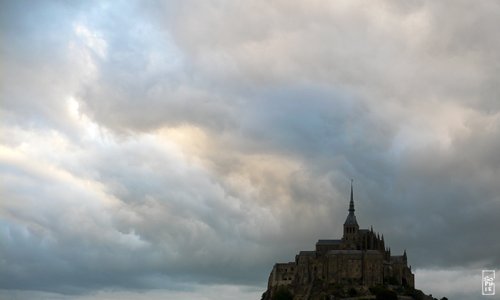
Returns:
(386,295)
(282,294)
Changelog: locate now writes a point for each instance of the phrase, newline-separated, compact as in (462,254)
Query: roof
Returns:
(369,252)
(329,242)
(345,252)
(398,258)
(351,219)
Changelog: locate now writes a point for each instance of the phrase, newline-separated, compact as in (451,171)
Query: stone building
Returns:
(359,258)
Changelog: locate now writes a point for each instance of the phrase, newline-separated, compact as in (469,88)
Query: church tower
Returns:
(351,226)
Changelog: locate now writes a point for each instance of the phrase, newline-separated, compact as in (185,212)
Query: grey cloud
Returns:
(217,141)
(38,74)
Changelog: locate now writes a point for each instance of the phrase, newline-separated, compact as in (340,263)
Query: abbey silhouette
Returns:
(359,259)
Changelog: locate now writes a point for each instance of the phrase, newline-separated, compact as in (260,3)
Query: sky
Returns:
(178,149)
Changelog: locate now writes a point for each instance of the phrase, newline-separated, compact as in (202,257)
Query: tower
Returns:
(351,226)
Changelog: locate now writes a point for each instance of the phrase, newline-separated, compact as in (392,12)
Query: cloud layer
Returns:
(157,146)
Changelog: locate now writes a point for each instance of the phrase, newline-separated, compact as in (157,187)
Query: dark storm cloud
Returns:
(147,144)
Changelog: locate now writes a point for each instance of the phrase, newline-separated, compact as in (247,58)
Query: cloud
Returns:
(453,283)
(199,292)
(149,144)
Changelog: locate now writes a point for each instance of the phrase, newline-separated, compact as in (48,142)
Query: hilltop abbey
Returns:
(360,258)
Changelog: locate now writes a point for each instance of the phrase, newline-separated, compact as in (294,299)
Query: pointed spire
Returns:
(404,254)
(351,218)
(371,228)
(382,237)
(351,203)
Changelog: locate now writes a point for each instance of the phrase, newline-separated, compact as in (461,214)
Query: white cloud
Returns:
(93,40)
(460,284)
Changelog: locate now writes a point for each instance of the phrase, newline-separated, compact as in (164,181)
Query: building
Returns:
(359,258)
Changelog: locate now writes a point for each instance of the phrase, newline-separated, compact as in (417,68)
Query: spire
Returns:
(351,218)
(351,203)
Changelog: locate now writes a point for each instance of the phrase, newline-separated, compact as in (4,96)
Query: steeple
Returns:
(351,218)
(351,203)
